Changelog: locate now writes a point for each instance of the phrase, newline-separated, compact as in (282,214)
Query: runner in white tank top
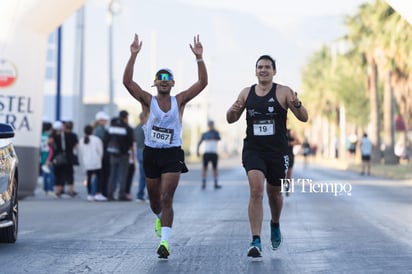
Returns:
(163,129)
(163,159)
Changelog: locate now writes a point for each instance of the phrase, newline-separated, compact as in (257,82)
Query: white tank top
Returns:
(163,129)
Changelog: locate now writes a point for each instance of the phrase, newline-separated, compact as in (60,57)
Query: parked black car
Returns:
(9,204)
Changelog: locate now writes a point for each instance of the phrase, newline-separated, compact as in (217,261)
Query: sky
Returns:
(234,33)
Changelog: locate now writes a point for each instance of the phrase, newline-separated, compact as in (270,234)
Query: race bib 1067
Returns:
(161,135)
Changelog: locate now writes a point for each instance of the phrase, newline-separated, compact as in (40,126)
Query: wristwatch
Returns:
(299,105)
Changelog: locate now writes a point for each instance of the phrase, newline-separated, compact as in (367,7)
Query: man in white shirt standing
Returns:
(366,150)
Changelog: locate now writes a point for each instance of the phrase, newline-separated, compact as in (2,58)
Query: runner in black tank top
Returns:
(266,123)
(264,154)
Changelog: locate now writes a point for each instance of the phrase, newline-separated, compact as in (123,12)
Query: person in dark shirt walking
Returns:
(210,139)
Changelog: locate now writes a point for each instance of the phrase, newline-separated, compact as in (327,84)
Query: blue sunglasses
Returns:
(164,77)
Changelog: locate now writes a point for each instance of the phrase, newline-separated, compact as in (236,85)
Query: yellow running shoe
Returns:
(163,250)
(158,227)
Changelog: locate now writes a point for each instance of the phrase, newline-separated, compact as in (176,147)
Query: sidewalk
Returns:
(399,171)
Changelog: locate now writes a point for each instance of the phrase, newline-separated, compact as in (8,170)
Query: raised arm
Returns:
(201,83)
(134,89)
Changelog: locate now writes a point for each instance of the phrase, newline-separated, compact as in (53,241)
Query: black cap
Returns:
(123,114)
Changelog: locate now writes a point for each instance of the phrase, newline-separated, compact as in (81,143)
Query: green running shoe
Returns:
(275,237)
(255,249)
(163,250)
(158,227)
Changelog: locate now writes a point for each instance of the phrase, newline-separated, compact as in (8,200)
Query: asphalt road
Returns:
(363,228)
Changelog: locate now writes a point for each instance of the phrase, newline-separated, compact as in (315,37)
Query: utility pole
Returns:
(113,8)
(78,105)
(58,73)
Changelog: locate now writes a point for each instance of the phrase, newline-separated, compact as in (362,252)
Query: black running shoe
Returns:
(163,250)
(255,249)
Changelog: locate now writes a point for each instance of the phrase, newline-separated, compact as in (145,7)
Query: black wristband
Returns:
(299,105)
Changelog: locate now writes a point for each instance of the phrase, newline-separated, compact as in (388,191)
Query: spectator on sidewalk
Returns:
(46,156)
(366,150)
(65,142)
(139,139)
(130,172)
(90,157)
(100,130)
(119,142)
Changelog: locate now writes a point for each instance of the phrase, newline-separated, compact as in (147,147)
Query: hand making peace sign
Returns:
(197,47)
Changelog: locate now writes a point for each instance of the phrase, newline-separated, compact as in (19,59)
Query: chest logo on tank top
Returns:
(253,112)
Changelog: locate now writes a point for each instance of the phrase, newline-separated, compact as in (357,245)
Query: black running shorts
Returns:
(366,158)
(210,157)
(273,167)
(157,161)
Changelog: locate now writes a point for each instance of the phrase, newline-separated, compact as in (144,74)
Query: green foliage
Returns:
(348,82)
(375,33)
(316,84)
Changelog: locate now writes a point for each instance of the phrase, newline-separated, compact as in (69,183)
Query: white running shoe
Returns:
(99,197)
(90,198)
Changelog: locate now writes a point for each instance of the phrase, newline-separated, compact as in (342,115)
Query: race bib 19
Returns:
(263,127)
(161,135)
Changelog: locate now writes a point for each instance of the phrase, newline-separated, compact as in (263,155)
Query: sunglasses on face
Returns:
(164,77)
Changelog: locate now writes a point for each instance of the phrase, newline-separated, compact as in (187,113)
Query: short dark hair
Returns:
(46,126)
(266,57)
(123,114)
(68,125)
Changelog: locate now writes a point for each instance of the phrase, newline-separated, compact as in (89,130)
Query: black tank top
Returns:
(266,123)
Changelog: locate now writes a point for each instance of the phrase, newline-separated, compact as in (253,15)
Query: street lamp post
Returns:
(78,106)
(113,8)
